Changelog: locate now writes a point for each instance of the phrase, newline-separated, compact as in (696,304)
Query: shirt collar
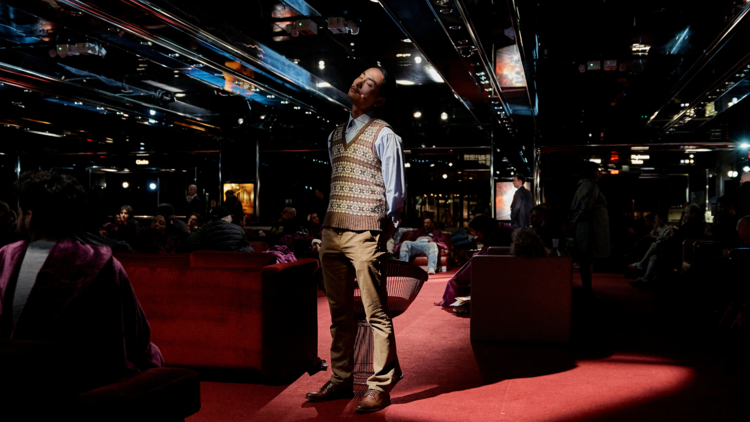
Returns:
(361,120)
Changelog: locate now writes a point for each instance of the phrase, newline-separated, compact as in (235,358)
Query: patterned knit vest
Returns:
(357,200)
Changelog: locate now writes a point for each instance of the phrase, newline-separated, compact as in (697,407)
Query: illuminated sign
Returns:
(141,162)
(638,158)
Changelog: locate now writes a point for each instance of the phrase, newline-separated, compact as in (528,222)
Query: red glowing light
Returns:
(89,153)
(90,140)
(614,172)
(102,156)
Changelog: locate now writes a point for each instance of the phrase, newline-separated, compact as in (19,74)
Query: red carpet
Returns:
(630,361)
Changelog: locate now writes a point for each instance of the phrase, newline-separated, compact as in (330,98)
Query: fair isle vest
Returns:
(357,201)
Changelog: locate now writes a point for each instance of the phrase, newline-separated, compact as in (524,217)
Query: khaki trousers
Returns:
(344,255)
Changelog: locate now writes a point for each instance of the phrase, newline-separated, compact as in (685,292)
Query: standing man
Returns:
(366,199)
(522,203)
(195,203)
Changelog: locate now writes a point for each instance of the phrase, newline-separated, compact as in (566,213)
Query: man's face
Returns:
(314,218)
(365,89)
(428,225)
(658,221)
(517,183)
(192,222)
(192,190)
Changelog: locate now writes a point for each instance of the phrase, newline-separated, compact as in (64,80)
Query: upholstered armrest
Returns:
(154,394)
(290,320)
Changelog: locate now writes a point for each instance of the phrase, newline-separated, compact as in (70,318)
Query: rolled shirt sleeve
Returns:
(389,150)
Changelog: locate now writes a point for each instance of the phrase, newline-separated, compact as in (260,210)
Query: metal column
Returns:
(492,168)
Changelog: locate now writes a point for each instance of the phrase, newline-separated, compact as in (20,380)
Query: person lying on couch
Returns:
(55,289)
(428,241)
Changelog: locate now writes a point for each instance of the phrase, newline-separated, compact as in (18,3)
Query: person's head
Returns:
(518,180)
(126,213)
(159,223)
(118,219)
(313,218)
(743,229)
(660,219)
(538,216)
(483,226)
(526,243)
(166,210)
(229,193)
(213,203)
(693,212)
(745,177)
(649,218)
(591,171)
(371,89)
(239,219)
(192,190)
(195,221)
(221,213)
(50,204)
(428,224)
(288,213)
(319,194)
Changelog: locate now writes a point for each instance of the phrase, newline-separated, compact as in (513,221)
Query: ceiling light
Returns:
(450,164)
(240,121)
(407,165)
(744,145)
(152,112)
(432,165)
(404,82)
(444,116)
(746,169)
(321,65)
(324,85)
(445,176)
(262,117)
(406,40)
(403,55)
(417,114)
(125,185)
(417,59)
(180,94)
(152,186)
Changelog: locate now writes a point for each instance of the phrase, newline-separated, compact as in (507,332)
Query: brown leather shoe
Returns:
(373,401)
(331,391)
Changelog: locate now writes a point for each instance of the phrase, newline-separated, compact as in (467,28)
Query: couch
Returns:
(43,381)
(520,299)
(232,313)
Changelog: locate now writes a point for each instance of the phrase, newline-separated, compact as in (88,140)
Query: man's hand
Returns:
(390,229)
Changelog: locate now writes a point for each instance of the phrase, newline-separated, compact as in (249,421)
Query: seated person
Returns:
(155,239)
(428,241)
(175,227)
(663,232)
(129,227)
(218,235)
(314,227)
(527,244)
(287,224)
(488,231)
(195,222)
(55,289)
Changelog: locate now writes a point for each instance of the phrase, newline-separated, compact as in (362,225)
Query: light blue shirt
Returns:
(391,155)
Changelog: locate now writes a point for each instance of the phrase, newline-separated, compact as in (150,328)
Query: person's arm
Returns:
(389,150)
(439,239)
(515,208)
(136,331)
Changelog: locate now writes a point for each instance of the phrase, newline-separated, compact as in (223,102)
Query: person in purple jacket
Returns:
(55,289)
(427,240)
